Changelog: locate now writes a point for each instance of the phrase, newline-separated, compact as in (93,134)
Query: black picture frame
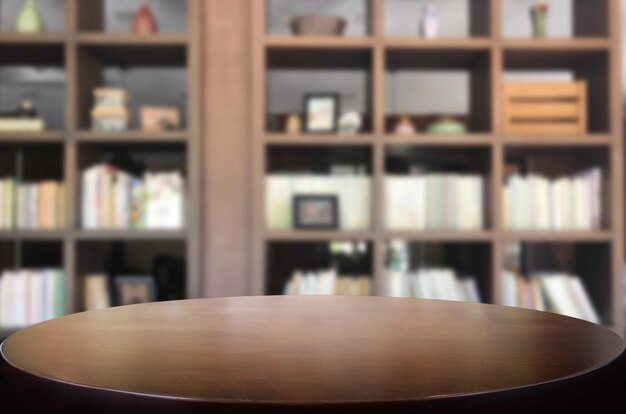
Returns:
(142,289)
(330,204)
(333,114)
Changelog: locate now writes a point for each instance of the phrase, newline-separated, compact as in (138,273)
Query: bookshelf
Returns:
(375,50)
(91,44)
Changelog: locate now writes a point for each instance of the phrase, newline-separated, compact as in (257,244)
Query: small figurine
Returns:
(26,110)
(144,21)
(404,126)
(293,124)
(350,123)
(29,19)
(539,15)
(430,21)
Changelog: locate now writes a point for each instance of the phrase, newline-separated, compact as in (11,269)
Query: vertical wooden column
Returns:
(226,165)
(617,166)
(497,152)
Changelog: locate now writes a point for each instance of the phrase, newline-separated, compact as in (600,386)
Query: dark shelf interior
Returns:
(466,259)
(318,159)
(164,261)
(427,84)
(590,261)
(283,258)
(32,162)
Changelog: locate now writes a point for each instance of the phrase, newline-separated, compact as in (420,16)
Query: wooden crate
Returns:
(545,108)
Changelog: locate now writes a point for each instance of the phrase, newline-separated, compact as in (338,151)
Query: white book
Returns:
(582,299)
(558,294)
(164,208)
(97,294)
(509,289)
(35,297)
(5,300)
(470,289)
(20,298)
(88,198)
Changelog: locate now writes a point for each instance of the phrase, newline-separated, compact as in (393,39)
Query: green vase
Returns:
(29,20)
(540,23)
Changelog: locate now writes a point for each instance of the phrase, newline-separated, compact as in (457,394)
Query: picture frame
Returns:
(132,290)
(316,212)
(321,112)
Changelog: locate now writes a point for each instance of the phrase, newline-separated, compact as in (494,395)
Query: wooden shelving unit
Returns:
(83,50)
(488,55)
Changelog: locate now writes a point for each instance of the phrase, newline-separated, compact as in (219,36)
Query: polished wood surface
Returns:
(311,350)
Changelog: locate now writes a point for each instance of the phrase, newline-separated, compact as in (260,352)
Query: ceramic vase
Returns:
(144,21)
(29,19)
(539,14)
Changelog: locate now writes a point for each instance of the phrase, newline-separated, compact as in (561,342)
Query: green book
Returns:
(59,293)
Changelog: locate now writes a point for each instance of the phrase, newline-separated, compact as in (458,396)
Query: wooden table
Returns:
(313,354)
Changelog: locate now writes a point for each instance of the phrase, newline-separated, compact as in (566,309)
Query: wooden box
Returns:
(545,108)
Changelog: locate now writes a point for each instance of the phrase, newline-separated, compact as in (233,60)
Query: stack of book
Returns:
(327,282)
(434,202)
(555,292)
(114,199)
(534,202)
(28,297)
(31,206)
(353,193)
(432,283)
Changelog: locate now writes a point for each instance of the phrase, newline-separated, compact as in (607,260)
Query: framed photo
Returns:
(131,290)
(316,212)
(320,112)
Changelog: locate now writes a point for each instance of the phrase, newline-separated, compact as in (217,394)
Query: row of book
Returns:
(353,194)
(434,202)
(31,296)
(31,206)
(432,283)
(555,292)
(535,202)
(115,199)
(327,282)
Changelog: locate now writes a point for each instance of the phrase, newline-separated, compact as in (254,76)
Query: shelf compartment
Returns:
(34,72)
(591,66)
(343,172)
(53,13)
(357,14)
(590,260)
(554,163)
(351,259)
(135,160)
(427,84)
(421,170)
(294,73)
(458,18)
(163,261)
(588,19)
(465,260)
(136,69)
(116,16)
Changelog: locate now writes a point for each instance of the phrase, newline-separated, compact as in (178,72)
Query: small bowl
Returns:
(317,25)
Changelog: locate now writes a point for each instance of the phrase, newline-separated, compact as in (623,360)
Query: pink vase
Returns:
(144,21)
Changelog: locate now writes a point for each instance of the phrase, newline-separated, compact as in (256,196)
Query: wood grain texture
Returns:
(227,147)
(310,351)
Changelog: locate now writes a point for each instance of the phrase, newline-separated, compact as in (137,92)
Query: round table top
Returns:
(311,350)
